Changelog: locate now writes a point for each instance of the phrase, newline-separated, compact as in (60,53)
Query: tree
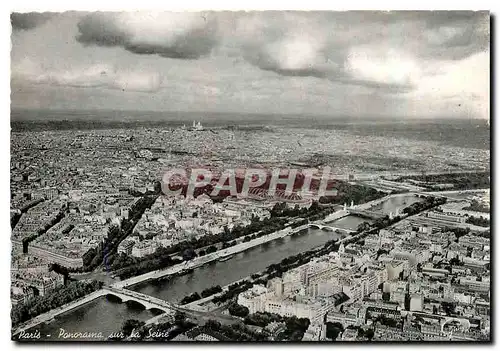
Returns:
(213,325)
(362,227)
(129,325)
(296,327)
(481,221)
(211,249)
(190,298)
(238,310)
(456,262)
(188,254)
(210,291)
(333,330)
(179,317)
(390,322)
(53,299)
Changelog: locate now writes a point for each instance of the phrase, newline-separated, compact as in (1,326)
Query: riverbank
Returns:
(48,316)
(258,255)
(204,304)
(202,260)
(106,315)
(173,271)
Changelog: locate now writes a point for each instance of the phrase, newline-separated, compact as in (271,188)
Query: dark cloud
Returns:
(462,34)
(333,72)
(411,62)
(100,29)
(290,43)
(258,57)
(435,19)
(27,21)
(319,44)
(183,38)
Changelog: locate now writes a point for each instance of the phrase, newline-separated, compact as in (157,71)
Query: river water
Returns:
(394,203)
(106,315)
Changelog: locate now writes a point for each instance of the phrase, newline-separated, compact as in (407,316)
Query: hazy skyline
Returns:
(388,64)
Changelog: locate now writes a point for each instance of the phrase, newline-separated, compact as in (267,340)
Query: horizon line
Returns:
(322,116)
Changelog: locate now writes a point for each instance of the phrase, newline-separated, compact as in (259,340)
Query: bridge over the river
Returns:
(330,228)
(149,302)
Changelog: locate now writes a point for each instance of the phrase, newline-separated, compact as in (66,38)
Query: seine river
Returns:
(400,202)
(106,315)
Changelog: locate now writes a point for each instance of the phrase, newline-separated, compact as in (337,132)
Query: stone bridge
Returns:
(149,302)
(330,228)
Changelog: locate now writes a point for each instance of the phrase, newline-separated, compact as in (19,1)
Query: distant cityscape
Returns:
(397,271)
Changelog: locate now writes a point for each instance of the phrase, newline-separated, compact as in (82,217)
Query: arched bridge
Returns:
(149,302)
(330,228)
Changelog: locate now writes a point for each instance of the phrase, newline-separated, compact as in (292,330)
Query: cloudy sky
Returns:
(394,64)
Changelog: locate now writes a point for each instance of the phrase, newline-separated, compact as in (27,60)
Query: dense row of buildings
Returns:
(70,187)
(408,282)
(31,278)
(173,219)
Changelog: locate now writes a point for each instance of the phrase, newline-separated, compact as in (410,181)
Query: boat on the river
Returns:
(226,258)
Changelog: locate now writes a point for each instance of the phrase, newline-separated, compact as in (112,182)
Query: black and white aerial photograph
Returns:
(250,177)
